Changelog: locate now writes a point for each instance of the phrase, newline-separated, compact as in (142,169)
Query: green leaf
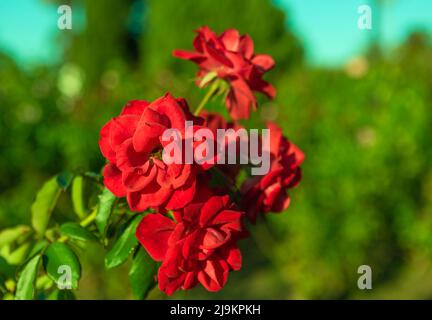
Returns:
(61,295)
(8,236)
(94,176)
(66,295)
(124,245)
(64,179)
(19,255)
(106,204)
(6,270)
(44,204)
(58,256)
(26,281)
(76,231)
(77,197)
(38,247)
(142,274)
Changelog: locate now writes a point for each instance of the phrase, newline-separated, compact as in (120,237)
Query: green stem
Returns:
(89,219)
(214,87)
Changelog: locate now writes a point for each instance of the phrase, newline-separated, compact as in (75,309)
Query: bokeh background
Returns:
(358,102)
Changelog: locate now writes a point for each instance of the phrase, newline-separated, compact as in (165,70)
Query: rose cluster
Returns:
(200,247)
(231,57)
(195,215)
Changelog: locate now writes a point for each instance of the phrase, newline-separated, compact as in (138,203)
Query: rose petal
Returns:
(182,196)
(135,107)
(264,61)
(151,196)
(105,143)
(246,46)
(136,179)
(113,180)
(230,38)
(233,257)
(153,232)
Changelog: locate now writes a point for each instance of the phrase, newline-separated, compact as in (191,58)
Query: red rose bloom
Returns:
(262,194)
(132,144)
(231,57)
(199,248)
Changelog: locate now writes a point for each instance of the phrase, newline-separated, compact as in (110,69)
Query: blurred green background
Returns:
(357,102)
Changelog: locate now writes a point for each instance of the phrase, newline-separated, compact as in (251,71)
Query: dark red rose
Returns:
(200,247)
(262,194)
(231,57)
(133,146)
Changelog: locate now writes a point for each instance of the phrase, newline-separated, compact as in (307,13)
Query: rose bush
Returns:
(199,243)
(186,215)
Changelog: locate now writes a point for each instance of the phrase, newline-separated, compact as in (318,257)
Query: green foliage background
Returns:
(366,195)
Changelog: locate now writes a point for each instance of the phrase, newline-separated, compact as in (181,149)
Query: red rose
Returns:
(262,194)
(199,248)
(132,144)
(231,57)
(214,121)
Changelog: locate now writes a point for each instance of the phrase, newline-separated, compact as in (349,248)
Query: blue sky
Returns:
(27,30)
(328,29)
